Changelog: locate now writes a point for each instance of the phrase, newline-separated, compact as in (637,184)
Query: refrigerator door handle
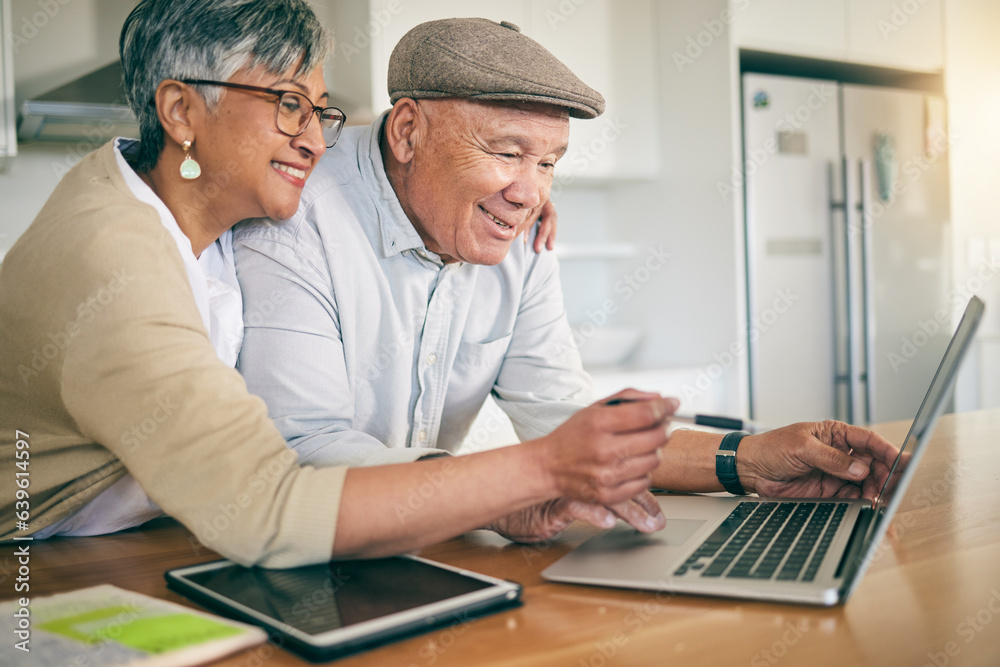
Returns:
(854,291)
(867,333)
(853,315)
(838,297)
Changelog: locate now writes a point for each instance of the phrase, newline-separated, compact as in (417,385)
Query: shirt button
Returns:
(431,359)
(422,436)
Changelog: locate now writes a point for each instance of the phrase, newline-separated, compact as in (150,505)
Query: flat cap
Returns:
(484,60)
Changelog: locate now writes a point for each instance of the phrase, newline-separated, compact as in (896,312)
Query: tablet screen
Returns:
(321,598)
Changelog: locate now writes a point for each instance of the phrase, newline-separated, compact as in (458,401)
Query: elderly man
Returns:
(382,315)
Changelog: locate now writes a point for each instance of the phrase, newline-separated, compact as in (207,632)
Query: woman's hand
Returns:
(546,227)
(605,454)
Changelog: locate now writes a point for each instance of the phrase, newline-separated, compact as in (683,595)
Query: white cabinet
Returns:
(791,26)
(906,34)
(8,128)
(607,43)
(903,34)
(610,45)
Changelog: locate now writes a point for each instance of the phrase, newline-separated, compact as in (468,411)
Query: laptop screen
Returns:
(930,409)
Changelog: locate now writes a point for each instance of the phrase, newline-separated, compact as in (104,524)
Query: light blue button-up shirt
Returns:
(368,349)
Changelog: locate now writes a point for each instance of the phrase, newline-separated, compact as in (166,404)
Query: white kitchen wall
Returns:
(691,308)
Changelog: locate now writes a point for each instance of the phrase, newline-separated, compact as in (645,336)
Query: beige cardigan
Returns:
(106,365)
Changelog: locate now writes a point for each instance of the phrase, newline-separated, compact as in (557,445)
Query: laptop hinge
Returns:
(856,542)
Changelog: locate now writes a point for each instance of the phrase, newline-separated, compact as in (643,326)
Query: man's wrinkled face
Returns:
(480,173)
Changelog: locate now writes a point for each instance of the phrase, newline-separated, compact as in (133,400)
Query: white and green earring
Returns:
(190,169)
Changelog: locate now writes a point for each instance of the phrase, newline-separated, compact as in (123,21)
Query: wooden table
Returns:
(932,598)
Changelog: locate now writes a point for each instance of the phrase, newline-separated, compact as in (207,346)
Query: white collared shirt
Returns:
(368,349)
(217,294)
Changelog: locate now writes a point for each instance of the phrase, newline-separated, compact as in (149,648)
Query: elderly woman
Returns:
(121,319)
(120,315)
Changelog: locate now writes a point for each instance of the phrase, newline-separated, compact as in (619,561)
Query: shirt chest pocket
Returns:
(473,374)
(475,371)
(477,366)
(482,355)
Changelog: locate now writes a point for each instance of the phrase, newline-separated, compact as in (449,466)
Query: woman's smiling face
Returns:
(251,169)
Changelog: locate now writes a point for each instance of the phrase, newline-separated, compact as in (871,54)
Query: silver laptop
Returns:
(790,550)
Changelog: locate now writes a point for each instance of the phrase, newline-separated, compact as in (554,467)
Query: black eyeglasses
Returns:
(293,110)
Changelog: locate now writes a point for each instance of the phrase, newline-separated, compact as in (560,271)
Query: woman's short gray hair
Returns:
(210,39)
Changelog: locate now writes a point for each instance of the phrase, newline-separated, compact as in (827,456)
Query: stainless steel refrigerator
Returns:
(847,229)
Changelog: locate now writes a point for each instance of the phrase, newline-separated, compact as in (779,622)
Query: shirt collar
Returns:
(212,276)
(398,233)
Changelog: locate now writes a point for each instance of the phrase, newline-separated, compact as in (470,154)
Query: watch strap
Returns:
(725,463)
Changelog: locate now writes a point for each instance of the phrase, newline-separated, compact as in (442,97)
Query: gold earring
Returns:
(190,169)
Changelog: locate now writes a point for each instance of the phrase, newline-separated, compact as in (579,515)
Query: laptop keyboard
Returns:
(782,541)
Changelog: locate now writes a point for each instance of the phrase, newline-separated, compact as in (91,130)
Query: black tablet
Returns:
(325,611)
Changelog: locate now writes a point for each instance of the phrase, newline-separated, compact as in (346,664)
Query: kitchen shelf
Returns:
(566,251)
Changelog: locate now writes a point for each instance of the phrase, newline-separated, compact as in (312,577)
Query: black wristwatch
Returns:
(725,463)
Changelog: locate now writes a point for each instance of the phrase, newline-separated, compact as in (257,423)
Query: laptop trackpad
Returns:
(675,534)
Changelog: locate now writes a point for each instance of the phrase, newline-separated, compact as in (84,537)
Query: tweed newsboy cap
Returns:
(484,60)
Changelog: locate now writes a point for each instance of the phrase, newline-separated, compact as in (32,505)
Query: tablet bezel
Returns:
(500,594)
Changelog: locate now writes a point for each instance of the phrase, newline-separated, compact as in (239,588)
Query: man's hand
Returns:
(546,520)
(826,459)
(605,454)
(546,227)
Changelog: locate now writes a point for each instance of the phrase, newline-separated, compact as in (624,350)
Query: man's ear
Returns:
(178,106)
(402,129)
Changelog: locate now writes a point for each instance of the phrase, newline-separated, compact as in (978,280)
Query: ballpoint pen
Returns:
(713,421)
